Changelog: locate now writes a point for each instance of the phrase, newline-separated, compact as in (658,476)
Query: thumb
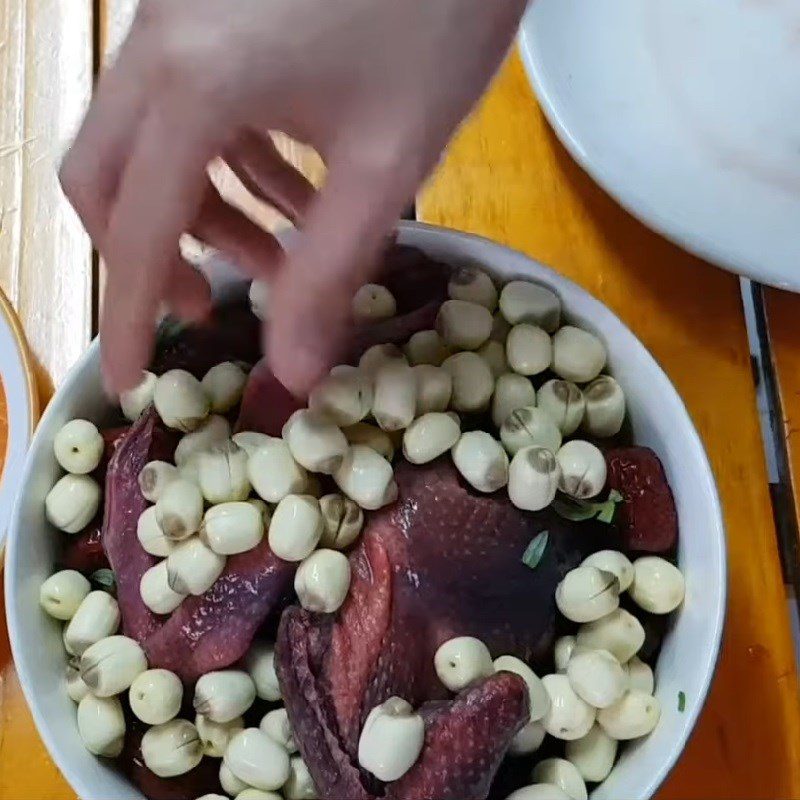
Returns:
(310,307)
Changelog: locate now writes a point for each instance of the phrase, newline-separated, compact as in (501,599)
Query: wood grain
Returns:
(45,268)
(45,257)
(114,23)
(506,177)
(783,316)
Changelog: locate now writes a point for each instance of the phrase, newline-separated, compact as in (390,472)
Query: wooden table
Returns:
(505,177)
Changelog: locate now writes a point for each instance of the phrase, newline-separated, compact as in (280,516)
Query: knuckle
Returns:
(392,154)
(173,60)
(181,69)
(387,157)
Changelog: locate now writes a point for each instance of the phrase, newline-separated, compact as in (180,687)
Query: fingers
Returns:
(187,292)
(268,176)
(159,196)
(226,229)
(92,167)
(311,300)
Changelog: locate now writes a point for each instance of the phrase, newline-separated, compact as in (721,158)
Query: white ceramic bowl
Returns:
(659,418)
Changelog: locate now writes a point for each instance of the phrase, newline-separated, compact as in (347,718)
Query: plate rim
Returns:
(692,240)
(9,315)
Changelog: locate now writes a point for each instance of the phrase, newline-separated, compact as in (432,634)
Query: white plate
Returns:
(18,382)
(687,112)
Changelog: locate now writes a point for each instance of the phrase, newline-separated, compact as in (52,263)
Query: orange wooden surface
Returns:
(507,177)
(783,317)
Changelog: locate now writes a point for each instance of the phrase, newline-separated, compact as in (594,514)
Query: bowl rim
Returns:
(416,234)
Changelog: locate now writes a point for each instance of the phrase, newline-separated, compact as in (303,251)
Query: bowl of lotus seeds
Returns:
(484,558)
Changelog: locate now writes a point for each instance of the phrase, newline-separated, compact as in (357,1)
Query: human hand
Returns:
(376,87)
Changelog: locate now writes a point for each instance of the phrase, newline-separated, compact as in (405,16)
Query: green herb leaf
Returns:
(535,550)
(681,702)
(104,580)
(574,510)
(580,510)
(607,511)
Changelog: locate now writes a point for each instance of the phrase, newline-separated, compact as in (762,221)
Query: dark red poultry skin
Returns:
(441,562)
(648,520)
(392,331)
(266,403)
(203,779)
(215,630)
(414,278)
(124,504)
(162,447)
(419,286)
(232,333)
(112,438)
(84,551)
(465,738)
(205,633)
